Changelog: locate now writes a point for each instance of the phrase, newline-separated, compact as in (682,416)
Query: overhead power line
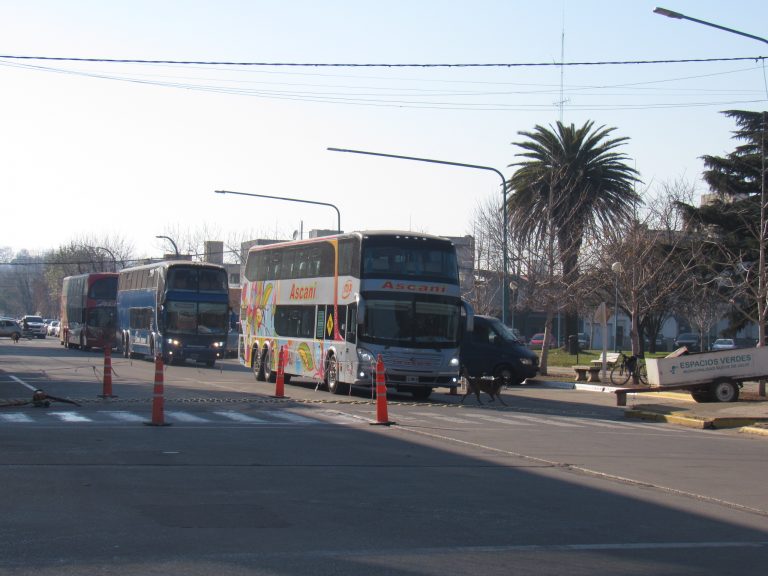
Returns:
(378,65)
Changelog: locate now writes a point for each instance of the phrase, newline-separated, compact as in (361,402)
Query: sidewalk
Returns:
(750,413)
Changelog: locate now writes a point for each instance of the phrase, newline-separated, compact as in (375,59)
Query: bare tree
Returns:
(657,258)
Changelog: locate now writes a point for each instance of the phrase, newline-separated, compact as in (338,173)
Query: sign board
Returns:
(738,364)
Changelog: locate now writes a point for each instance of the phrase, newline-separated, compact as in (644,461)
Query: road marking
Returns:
(291,417)
(548,421)
(443,418)
(239,417)
(124,416)
(69,416)
(16,418)
(185,416)
(20,381)
(344,418)
(498,420)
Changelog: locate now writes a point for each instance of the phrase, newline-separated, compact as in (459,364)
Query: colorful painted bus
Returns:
(179,309)
(88,311)
(337,302)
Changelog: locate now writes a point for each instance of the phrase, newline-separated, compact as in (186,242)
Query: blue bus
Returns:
(178,309)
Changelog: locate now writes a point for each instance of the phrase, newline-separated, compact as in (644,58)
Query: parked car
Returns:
(583,339)
(724,344)
(492,349)
(537,341)
(689,340)
(53,328)
(9,328)
(34,324)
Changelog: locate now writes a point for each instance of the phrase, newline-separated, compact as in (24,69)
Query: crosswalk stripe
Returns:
(344,418)
(239,417)
(291,417)
(444,418)
(124,416)
(16,418)
(69,416)
(548,420)
(497,420)
(185,417)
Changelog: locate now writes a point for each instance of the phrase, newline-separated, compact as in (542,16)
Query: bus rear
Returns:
(88,311)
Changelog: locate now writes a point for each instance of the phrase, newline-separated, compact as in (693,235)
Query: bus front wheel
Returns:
(332,376)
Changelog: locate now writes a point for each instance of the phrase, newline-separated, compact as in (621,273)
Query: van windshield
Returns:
(502,330)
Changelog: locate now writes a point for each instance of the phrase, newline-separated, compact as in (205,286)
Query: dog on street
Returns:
(489,384)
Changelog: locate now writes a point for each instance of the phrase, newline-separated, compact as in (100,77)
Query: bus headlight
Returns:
(173,342)
(365,360)
(454,363)
(218,344)
(364,356)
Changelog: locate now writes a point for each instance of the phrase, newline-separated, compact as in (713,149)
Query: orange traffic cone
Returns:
(158,416)
(280,380)
(107,385)
(382,418)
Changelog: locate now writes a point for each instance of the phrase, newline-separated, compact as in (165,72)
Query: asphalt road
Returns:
(557,482)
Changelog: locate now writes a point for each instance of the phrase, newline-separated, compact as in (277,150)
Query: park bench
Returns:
(587,373)
(610,359)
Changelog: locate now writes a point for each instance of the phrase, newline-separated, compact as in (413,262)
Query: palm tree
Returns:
(570,181)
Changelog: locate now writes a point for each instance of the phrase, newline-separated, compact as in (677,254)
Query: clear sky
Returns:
(137,150)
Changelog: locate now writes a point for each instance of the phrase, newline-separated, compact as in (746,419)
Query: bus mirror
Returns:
(360,310)
(469,316)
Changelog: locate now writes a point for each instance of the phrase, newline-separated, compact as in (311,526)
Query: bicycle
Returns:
(629,367)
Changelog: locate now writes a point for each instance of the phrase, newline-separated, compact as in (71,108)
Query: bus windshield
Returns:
(406,258)
(196,317)
(103,289)
(194,280)
(102,317)
(411,321)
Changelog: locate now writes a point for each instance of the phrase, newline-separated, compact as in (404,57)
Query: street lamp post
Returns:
(175,248)
(617,269)
(678,16)
(504,279)
(111,254)
(338,214)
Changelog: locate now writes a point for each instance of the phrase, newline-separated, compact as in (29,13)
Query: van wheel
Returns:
(507,375)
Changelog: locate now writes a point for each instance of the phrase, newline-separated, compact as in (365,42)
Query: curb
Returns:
(689,421)
(747,425)
(757,429)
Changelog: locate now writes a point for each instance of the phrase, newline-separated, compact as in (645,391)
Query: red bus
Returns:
(89,310)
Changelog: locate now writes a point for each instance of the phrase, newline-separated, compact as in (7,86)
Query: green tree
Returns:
(570,182)
(733,221)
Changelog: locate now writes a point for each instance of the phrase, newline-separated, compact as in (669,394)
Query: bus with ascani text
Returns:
(336,302)
(88,311)
(178,309)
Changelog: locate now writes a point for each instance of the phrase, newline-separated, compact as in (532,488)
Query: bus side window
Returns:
(341,321)
(351,331)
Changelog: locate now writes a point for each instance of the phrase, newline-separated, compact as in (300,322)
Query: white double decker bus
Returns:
(337,302)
